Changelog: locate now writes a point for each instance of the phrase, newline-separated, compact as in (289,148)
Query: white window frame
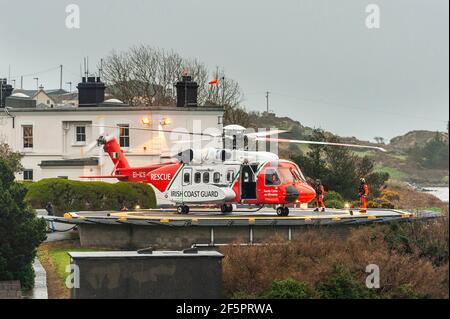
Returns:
(125,126)
(26,171)
(76,134)
(27,148)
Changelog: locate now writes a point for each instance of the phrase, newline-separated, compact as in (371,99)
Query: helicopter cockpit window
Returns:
(206,177)
(271,177)
(197,178)
(216,178)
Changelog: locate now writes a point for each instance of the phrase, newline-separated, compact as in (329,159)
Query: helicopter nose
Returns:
(291,194)
(306,193)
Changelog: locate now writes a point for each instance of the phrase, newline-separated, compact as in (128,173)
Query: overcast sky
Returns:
(318,59)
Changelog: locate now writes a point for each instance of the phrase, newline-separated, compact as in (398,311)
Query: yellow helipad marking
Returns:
(371,217)
(251,220)
(164,220)
(122,219)
(405,215)
(335,219)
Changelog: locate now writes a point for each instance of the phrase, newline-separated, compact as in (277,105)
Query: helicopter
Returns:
(221,176)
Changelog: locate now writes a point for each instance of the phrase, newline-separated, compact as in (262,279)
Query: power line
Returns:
(402,114)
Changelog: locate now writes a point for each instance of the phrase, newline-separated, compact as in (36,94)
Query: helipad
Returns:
(164,228)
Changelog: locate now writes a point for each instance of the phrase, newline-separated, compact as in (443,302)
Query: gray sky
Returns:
(322,64)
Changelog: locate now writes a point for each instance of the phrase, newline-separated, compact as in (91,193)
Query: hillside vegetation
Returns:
(418,157)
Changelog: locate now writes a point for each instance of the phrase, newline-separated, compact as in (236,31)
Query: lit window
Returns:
(81,134)
(28,175)
(27,136)
(124,135)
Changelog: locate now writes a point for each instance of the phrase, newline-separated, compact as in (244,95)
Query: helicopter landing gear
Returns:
(282,211)
(183,209)
(226,208)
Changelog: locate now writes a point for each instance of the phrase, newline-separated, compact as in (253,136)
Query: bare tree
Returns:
(146,76)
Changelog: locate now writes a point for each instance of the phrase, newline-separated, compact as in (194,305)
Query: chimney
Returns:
(5,91)
(186,92)
(91,92)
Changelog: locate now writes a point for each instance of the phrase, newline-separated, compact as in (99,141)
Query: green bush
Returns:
(290,289)
(381,202)
(333,200)
(68,195)
(406,291)
(342,285)
(20,231)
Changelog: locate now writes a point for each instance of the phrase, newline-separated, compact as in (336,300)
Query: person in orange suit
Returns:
(320,193)
(363,193)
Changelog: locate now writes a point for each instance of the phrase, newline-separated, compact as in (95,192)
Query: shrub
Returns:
(20,231)
(68,195)
(290,289)
(406,291)
(342,285)
(334,204)
(380,203)
(333,200)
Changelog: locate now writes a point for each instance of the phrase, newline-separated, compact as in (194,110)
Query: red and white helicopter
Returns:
(222,176)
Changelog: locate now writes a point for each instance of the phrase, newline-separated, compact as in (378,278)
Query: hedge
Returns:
(68,195)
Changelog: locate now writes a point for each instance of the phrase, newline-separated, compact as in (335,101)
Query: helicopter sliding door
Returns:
(248,181)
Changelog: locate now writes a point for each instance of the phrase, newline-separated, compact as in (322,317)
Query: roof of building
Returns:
(91,161)
(107,108)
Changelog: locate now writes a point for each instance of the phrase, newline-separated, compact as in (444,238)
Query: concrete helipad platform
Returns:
(165,229)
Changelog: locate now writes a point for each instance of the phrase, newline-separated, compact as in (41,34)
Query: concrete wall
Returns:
(167,275)
(165,237)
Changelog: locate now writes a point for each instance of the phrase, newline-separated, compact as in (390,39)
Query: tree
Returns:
(10,158)
(144,75)
(434,154)
(338,168)
(20,231)
(379,140)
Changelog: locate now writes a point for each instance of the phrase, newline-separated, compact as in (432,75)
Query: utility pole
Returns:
(14,81)
(61,77)
(21,82)
(267,101)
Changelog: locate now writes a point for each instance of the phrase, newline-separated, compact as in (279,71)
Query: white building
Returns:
(54,141)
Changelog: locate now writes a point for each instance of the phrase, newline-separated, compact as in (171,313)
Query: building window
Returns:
(28,175)
(216,178)
(197,178)
(80,134)
(28,136)
(206,177)
(124,135)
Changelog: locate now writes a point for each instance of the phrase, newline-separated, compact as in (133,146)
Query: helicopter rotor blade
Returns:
(158,130)
(281,140)
(263,134)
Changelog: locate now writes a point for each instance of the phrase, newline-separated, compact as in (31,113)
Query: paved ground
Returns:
(40,283)
(241,213)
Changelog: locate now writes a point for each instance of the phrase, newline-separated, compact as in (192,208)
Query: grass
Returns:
(54,258)
(61,259)
(393,172)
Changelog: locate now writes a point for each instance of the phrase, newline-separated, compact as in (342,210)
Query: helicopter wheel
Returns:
(183,209)
(282,211)
(226,208)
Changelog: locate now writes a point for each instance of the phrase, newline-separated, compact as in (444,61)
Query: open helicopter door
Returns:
(248,181)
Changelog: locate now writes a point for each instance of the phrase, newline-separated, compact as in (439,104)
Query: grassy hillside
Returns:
(397,161)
